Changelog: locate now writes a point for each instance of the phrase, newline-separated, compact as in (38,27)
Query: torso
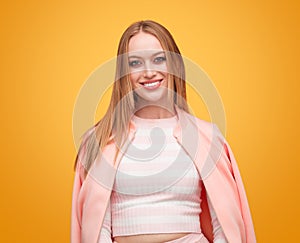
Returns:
(149,238)
(124,196)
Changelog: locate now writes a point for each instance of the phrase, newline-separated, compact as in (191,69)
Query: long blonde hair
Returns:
(115,123)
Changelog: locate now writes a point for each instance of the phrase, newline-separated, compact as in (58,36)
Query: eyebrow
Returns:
(155,54)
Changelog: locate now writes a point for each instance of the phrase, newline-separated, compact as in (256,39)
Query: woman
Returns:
(149,171)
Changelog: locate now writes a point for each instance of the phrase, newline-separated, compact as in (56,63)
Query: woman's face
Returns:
(148,67)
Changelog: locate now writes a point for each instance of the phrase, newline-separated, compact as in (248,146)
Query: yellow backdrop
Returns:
(249,49)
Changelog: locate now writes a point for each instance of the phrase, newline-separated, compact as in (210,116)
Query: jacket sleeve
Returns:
(76,212)
(86,198)
(246,214)
(80,173)
(245,209)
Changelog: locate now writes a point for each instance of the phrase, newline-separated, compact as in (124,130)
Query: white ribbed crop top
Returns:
(157,186)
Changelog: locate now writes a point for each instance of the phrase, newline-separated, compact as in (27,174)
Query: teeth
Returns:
(151,84)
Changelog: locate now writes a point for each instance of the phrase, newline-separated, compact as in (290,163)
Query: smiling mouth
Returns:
(151,83)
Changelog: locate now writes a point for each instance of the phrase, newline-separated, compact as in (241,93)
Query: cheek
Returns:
(134,77)
(165,76)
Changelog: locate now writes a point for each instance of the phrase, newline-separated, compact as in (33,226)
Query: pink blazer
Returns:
(214,161)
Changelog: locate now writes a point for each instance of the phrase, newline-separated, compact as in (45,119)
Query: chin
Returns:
(151,98)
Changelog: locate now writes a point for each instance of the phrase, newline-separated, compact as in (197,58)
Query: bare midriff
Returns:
(149,238)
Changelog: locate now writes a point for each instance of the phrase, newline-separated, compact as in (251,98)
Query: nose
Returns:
(149,72)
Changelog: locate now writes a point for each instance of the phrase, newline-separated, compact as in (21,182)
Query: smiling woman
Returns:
(142,171)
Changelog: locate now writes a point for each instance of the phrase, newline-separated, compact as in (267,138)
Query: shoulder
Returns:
(82,153)
(208,133)
(200,123)
(204,127)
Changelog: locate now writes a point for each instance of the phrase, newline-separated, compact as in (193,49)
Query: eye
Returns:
(160,59)
(135,63)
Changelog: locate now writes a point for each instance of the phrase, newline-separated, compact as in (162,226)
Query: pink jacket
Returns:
(214,161)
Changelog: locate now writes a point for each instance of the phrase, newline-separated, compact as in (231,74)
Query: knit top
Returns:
(157,186)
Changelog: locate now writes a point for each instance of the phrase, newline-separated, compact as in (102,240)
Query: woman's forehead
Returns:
(145,53)
(143,41)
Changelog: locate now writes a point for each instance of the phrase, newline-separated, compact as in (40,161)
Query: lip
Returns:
(151,87)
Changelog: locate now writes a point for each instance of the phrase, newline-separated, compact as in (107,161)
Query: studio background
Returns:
(249,49)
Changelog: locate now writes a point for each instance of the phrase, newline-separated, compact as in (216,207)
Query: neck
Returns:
(154,112)
(161,108)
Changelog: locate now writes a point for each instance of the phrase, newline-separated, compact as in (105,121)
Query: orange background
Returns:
(48,49)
